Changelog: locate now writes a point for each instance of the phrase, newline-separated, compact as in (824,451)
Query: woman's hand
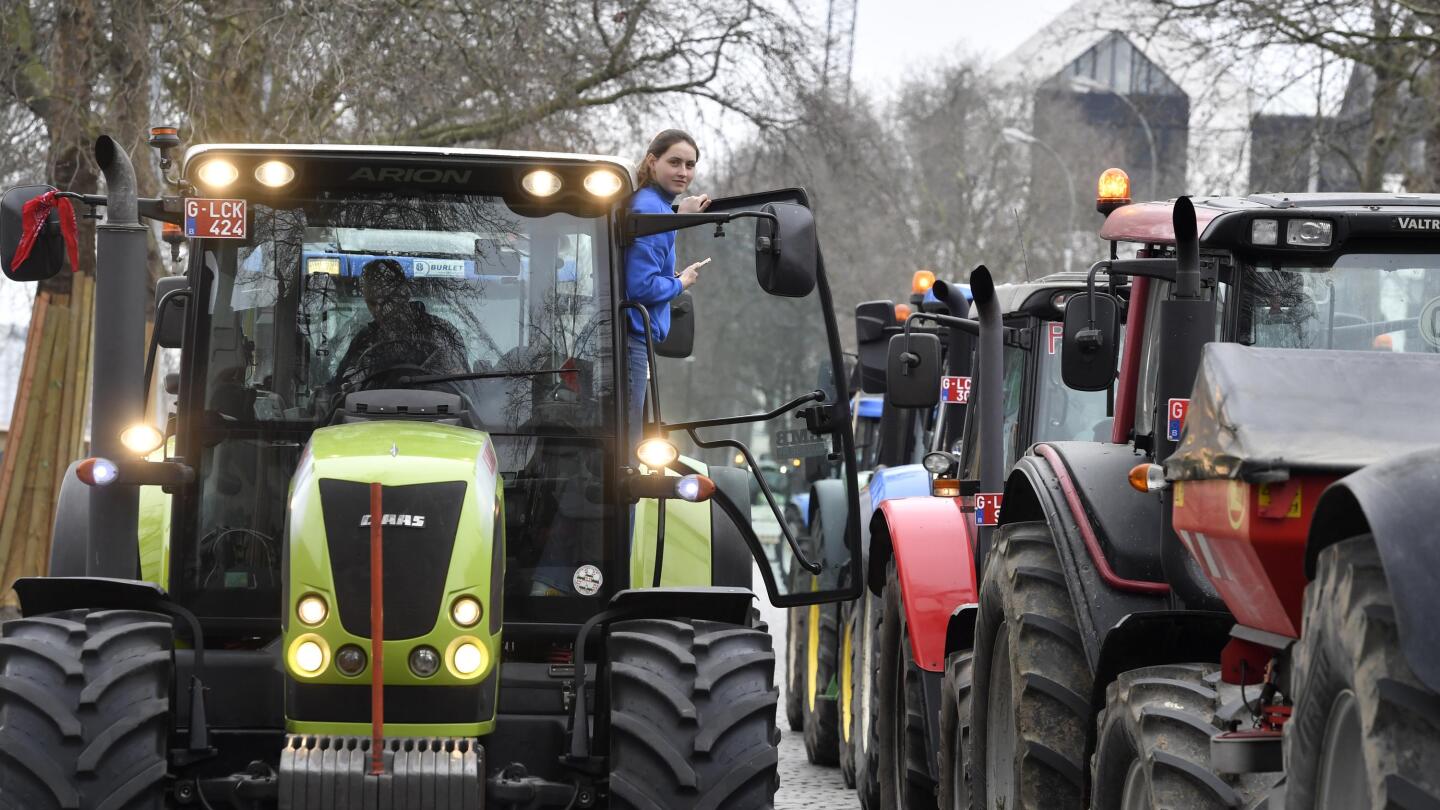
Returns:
(693,205)
(691,274)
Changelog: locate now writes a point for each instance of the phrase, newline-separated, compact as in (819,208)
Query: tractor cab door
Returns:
(748,395)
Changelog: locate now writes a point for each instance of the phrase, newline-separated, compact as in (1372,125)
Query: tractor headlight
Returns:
(466,611)
(218,173)
(274,173)
(350,660)
(97,472)
(1264,231)
(467,657)
(142,439)
(312,609)
(657,453)
(602,183)
(937,462)
(541,183)
(309,656)
(424,661)
(1309,232)
(695,488)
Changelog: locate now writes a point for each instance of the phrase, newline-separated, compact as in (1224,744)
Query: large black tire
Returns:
(905,781)
(1030,693)
(795,632)
(1153,740)
(84,710)
(1351,679)
(692,721)
(819,666)
(869,614)
(955,730)
(846,699)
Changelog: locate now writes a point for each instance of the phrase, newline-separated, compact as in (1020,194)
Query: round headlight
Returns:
(312,609)
(141,439)
(274,173)
(309,657)
(602,183)
(350,660)
(218,173)
(466,611)
(657,453)
(468,658)
(541,183)
(937,463)
(97,472)
(424,661)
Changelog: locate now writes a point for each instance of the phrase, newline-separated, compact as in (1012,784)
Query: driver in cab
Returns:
(401,334)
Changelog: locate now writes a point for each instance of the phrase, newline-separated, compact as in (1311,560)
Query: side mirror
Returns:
(47,256)
(872,318)
(786,252)
(171,296)
(913,365)
(1088,354)
(680,340)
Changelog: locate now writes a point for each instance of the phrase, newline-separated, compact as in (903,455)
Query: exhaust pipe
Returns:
(117,397)
(991,375)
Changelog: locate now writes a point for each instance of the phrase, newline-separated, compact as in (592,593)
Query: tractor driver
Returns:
(400,333)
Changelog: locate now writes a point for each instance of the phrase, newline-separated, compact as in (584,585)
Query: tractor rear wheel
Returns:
(846,699)
(692,719)
(1364,730)
(84,710)
(866,742)
(1153,743)
(1030,694)
(905,780)
(795,658)
(820,707)
(955,730)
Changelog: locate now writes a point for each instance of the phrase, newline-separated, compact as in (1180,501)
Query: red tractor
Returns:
(1089,581)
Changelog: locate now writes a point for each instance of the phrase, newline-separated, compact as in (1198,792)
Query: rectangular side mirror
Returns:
(913,371)
(679,342)
(47,255)
(1088,353)
(872,318)
(171,296)
(786,251)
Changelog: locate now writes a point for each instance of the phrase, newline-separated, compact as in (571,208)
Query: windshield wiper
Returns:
(480,375)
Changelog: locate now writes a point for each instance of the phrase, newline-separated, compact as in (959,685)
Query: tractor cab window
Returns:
(1368,302)
(1061,413)
(351,292)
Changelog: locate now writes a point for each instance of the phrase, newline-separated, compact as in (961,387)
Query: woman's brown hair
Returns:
(659,145)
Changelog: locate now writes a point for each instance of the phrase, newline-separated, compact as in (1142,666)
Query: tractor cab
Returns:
(396,515)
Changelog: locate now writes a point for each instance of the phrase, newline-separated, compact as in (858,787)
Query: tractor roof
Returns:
(1150,222)
(362,151)
(1030,294)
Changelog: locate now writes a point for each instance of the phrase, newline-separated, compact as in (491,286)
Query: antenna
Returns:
(1020,234)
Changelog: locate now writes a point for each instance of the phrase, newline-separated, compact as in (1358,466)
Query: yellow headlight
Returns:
(312,609)
(142,439)
(466,611)
(541,183)
(467,658)
(274,173)
(218,173)
(602,183)
(657,453)
(309,655)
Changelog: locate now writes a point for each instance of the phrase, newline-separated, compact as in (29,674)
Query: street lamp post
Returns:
(1014,135)
(1086,84)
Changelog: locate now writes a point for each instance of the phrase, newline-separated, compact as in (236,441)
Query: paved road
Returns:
(802,785)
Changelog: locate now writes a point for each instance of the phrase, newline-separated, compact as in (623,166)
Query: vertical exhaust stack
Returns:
(118,392)
(992,409)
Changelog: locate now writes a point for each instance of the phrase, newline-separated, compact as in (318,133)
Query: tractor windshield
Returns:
(1365,301)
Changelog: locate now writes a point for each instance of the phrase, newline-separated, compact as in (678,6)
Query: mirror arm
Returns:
(813,396)
(650,360)
(634,226)
(155,336)
(155,208)
(804,561)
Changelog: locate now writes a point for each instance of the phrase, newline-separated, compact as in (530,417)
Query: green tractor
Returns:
(394,547)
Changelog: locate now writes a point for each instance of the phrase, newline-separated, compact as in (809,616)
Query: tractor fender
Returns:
(731,561)
(930,541)
(887,483)
(828,502)
(1105,532)
(70,539)
(1394,500)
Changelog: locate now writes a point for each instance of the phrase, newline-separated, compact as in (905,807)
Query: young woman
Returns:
(664,174)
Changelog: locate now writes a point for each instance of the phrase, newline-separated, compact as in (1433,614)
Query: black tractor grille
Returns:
(417,557)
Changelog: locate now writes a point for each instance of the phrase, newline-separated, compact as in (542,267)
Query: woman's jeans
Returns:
(638,370)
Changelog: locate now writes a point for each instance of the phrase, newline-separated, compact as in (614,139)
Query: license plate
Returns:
(214,219)
(955,390)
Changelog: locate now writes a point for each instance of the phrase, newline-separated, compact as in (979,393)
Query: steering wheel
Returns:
(423,367)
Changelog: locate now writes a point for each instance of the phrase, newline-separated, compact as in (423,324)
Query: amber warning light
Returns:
(1112,191)
(922,281)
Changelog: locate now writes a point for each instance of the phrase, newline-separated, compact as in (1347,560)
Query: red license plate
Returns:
(215,219)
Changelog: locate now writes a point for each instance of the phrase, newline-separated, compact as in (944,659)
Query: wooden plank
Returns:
(15,447)
(12,534)
(36,540)
(67,373)
(80,389)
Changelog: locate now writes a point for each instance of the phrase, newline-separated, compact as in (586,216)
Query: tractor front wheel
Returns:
(905,756)
(954,730)
(1364,729)
(84,710)
(692,720)
(849,630)
(863,686)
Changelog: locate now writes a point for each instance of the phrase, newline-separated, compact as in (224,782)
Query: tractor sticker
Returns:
(799,443)
(1057,336)
(1262,500)
(1235,503)
(390,519)
(1199,547)
(987,508)
(955,390)
(1430,322)
(1175,418)
(215,219)
(587,580)
(488,455)
(438,268)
